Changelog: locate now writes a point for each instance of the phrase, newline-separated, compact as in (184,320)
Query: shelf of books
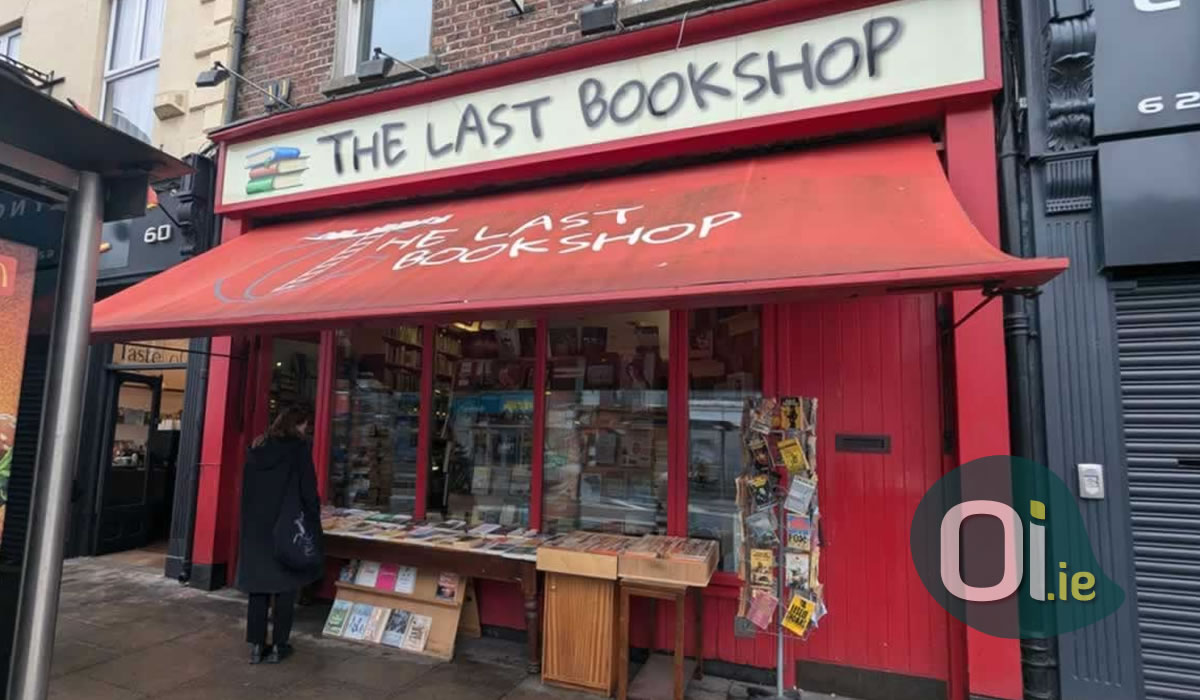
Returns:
(398,606)
(375,437)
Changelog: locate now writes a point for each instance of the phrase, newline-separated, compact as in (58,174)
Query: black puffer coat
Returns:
(264,482)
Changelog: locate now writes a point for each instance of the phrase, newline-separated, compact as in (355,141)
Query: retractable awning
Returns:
(874,217)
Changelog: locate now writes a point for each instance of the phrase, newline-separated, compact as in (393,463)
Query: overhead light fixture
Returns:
(600,16)
(220,72)
(380,64)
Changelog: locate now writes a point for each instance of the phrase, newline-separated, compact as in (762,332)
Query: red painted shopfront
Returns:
(850,257)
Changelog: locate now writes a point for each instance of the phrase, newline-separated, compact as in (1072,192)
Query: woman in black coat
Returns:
(270,464)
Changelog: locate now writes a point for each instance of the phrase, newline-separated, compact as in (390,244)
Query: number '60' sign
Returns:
(157,234)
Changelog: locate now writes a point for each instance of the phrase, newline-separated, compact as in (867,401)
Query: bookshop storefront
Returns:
(550,284)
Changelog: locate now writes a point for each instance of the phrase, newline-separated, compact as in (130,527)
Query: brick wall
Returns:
(295,39)
(287,39)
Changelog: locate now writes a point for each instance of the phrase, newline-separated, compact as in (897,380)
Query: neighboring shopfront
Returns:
(139,451)
(549,284)
(1107,370)
(61,175)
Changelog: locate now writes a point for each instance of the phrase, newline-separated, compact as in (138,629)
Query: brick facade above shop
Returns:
(304,41)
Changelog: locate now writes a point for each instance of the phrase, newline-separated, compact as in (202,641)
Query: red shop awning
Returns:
(874,217)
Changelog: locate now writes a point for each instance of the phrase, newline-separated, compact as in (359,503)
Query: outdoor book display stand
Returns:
(435,603)
(778,536)
(436,549)
(590,578)
(581,611)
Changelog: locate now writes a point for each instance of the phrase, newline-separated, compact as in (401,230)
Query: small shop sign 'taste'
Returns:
(873,52)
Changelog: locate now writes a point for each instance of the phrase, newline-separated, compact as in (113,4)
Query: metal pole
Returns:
(57,444)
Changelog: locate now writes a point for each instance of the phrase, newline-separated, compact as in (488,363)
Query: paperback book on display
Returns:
(418,632)
(360,619)
(396,629)
(335,624)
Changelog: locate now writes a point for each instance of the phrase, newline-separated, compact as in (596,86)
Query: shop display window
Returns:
(724,367)
(376,416)
(606,440)
(293,373)
(481,450)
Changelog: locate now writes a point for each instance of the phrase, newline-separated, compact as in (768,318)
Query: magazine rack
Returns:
(422,601)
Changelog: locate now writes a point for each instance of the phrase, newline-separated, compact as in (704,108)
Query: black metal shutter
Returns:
(1158,324)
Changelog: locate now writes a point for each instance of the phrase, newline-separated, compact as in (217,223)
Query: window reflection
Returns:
(376,414)
(481,455)
(606,424)
(724,367)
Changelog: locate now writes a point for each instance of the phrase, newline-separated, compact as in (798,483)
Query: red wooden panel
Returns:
(500,604)
(873,363)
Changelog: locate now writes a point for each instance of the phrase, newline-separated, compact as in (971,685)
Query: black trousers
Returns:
(256,617)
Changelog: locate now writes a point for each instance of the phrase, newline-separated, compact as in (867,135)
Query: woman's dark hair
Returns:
(286,424)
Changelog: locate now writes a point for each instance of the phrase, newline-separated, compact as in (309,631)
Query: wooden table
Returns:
(464,562)
(659,590)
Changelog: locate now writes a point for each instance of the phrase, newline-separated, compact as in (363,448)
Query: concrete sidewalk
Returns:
(126,632)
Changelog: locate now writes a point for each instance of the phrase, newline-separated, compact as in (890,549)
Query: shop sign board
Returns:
(1146,57)
(884,50)
(18,265)
(1148,199)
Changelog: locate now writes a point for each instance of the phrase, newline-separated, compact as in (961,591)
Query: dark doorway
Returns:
(140,447)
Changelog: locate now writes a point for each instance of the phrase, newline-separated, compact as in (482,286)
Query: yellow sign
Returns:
(799,615)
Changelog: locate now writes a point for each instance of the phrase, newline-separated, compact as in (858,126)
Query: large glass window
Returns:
(724,367)
(376,414)
(131,68)
(481,455)
(402,28)
(293,373)
(606,424)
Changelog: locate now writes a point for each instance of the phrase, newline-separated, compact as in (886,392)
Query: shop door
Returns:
(1158,345)
(130,460)
(873,365)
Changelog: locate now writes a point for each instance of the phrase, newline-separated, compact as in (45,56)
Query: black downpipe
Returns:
(1039,657)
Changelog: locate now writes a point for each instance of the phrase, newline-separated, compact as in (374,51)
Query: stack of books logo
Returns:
(275,168)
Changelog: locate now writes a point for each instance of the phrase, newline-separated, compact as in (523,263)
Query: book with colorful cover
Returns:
(377,624)
(386,581)
(406,580)
(396,629)
(271,183)
(348,572)
(447,587)
(796,564)
(762,608)
(418,632)
(799,532)
(368,574)
(270,155)
(275,168)
(356,625)
(335,624)
(762,568)
(799,615)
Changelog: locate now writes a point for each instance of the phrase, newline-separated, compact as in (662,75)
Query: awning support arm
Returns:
(184,350)
(991,292)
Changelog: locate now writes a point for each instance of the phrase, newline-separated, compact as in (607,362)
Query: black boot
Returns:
(256,653)
(279,652)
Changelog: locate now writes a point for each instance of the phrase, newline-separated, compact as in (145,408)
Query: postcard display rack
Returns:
(778,535)
(398,606)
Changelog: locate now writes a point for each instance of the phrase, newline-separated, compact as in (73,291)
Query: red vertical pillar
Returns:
(538,466)
(323,410)
(219,461)
(981,392)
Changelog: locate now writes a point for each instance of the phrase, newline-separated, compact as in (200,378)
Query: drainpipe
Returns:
(58,442)
(1039,657)
(198,357)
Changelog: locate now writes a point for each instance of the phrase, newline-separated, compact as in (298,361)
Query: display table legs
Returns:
(630,589)
(533,623)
